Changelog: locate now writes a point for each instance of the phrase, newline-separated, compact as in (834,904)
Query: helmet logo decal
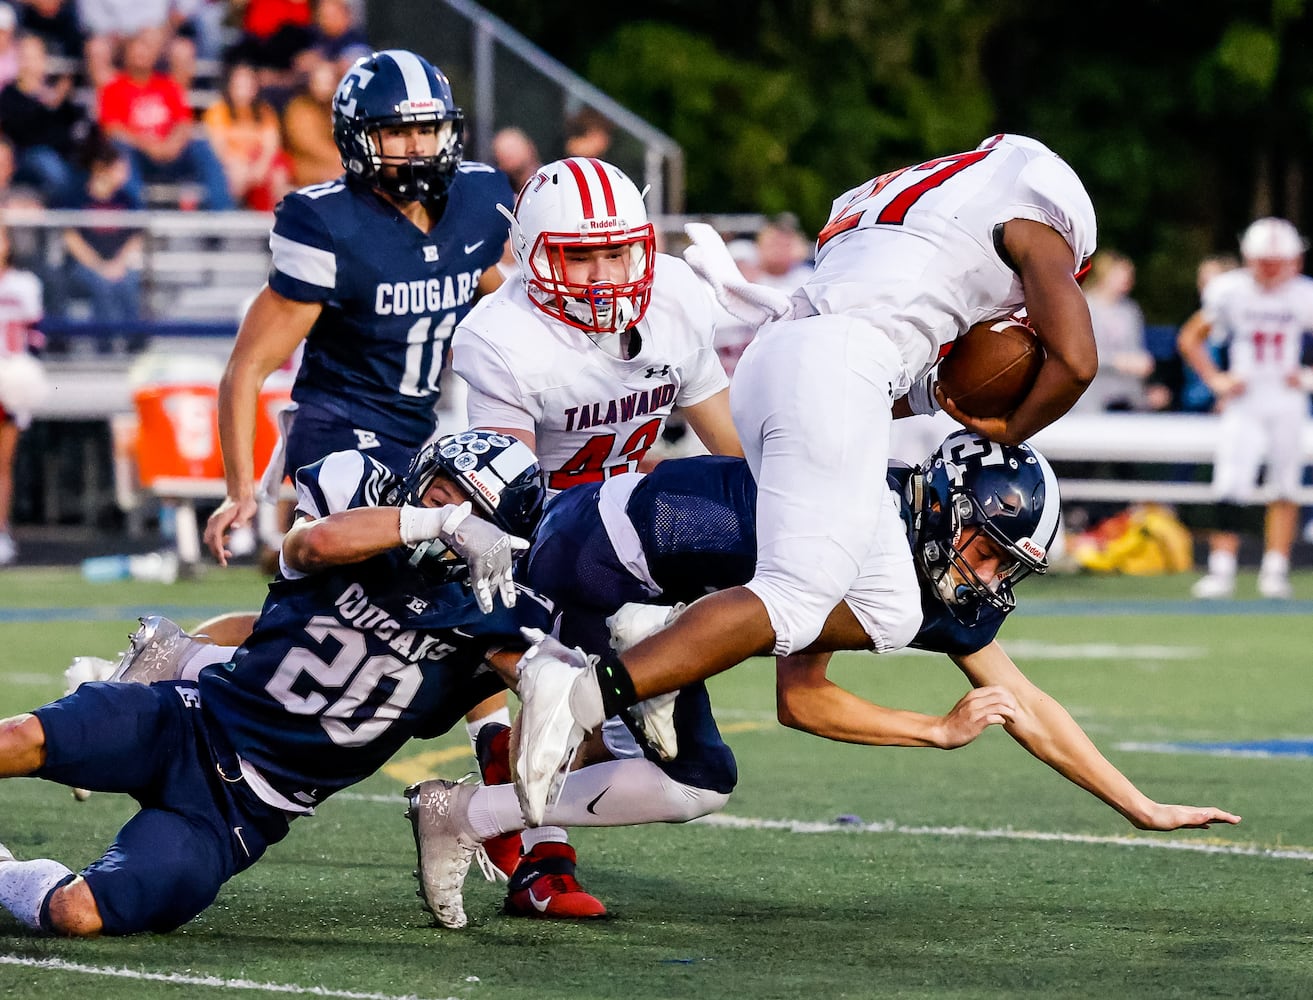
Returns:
(357,78)
(1036,552)
(585,192)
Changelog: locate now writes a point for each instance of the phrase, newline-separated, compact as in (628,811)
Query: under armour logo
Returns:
(364,439)
(655,372)
(430,254)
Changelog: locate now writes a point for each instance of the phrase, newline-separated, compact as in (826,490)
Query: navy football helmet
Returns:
(397,87)
(971,487)
(498,473)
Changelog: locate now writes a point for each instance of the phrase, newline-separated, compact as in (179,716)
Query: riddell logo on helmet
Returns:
(492,496)
(1031,549)
(426,106)
(611,223)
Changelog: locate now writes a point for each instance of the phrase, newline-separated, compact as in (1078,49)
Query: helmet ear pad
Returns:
(576,206)
(971,487)
(394,88)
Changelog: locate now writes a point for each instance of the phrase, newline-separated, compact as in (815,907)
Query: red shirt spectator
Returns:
(154,107)
(264,17)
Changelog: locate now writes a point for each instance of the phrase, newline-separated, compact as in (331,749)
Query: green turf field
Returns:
(976,873)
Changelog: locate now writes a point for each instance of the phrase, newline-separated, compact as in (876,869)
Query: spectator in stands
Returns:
(180,62)
(43,122)
(244,132)
(1125,364)
(147,113)
(515,155)
(274,33)
(308,128)
(782,253)
(8,44)
(20,311)
(110,24)
(56,21)
(14,196)
(1260,314)
(104,261)
(336,36)
(588,132)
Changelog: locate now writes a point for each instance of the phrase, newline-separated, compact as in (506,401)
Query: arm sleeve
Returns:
(304,259)
(1052,194)
(341,481)
(496,398)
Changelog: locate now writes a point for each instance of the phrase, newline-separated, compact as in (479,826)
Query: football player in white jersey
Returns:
(586,356)
(22,379)
(907,262)
(583,359)
(1262,314)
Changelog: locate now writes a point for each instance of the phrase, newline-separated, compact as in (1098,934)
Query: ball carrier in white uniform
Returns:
(907,262)
(1262,313)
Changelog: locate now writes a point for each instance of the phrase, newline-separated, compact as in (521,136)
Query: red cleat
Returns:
(492,747)
(545,886)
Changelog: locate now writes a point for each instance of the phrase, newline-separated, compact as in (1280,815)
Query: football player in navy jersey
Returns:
(979,517)
(372,272)
(367,639)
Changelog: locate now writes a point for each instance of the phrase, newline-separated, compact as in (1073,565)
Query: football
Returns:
(991,367)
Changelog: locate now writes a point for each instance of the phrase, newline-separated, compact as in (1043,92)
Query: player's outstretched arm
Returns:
(348,536)
(1061,319)
(808,700)
(270,332)
(1048,731)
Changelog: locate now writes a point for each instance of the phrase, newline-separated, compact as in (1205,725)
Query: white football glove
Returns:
(488,551)
(921,398)
(744,300)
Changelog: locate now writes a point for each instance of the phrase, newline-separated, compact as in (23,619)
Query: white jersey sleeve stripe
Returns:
(305,263)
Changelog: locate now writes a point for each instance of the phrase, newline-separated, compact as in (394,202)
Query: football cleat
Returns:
(656,718)
(545,886)
(157,651)
(549,734)
(634,622)
(6,854)
(1275,586)
(445,845)
(1213,587)
(502,853)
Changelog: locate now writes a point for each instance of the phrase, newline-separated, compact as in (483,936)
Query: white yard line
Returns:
(174,978)
(1201,846)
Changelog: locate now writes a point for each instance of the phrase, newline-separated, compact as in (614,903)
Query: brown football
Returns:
(991,367)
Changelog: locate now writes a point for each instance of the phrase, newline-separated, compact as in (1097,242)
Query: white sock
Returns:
(533,836)
(1221,563)
(203,655)
(613,793)
(1275,563)
(24,886)
(502,717)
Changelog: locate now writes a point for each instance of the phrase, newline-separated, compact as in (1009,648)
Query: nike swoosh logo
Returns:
(539,904)
(590,805)
(471,247)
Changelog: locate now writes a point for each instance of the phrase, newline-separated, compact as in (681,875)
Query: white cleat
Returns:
(549,734)
(1275,586)
(6,854)
(438,812)
(656,718)
(634,622)
(157,651)
(1213,587)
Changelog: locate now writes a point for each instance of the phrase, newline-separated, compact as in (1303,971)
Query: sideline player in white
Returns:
(22,379)
(906,263)
(583,359)
(1261,313)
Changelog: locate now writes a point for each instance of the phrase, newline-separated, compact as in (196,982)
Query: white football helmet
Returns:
(1272,239)
(583,203)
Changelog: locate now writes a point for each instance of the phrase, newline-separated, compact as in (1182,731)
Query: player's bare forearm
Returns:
(1050,734)
(1061,319)
(808,701)
(1191,344)
(712,423)
(348,536)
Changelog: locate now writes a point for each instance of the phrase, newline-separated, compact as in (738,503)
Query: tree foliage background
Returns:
(1185,121)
